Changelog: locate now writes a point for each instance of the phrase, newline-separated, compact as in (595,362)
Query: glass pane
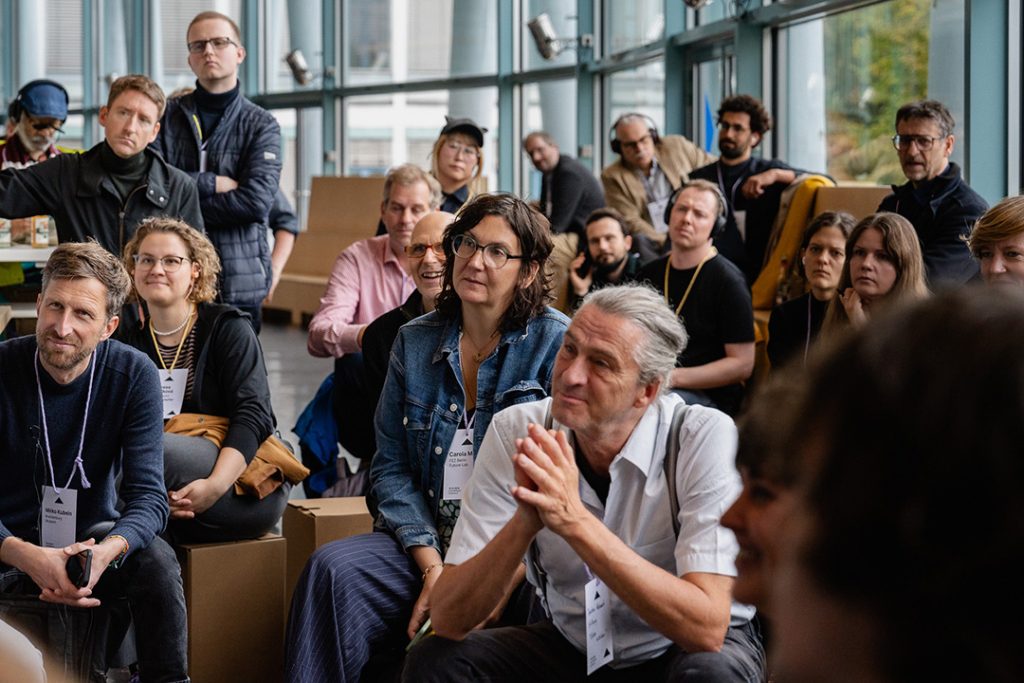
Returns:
(563,19)
(629,24)
(713,11)
(712,83)
(848,73)
(382,131)
(290,25)
(407,40)
(640,90)
(551,107)
(63,57)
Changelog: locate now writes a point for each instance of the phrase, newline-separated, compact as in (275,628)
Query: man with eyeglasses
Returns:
(937,201)
(232,148)
(649,168)
(752,186)
(35,117)
(105,192)
(369,278)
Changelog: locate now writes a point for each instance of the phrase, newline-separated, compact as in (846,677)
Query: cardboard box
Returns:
(234,593)
(859,200)
(308,524)
(342,210)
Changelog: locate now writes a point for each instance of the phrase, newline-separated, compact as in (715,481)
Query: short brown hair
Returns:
(76,260)
(608,212)
(410,174)
(203,16)
(200,252)
(1001,222)
(141,84)
(932,110)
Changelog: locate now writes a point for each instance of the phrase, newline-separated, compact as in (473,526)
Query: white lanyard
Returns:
(81,442)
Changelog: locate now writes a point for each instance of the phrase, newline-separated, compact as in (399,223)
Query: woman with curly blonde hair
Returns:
(211,364)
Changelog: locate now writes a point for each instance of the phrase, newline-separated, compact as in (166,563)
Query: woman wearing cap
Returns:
(490,343)
(457,161)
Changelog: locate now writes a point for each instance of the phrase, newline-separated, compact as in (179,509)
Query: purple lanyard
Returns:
(46,435)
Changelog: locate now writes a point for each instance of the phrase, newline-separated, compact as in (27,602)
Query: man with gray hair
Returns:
(936,199)
(581,485)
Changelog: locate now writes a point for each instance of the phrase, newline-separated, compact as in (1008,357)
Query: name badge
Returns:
(458,466)
(657,211)
(58,518)
(172,388)
(599,625)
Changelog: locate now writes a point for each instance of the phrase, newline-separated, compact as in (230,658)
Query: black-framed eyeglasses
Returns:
(41,127)
(634,145)
(170,264)
(198,47)
(923,142)
(419,249)
(495,255)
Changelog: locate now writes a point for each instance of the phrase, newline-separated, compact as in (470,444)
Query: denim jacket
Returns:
(423,403)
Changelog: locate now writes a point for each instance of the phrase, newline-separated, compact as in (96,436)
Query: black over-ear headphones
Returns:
(651,128)
(15,108)
(723,208)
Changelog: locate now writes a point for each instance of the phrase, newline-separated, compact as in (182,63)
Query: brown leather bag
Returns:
(272,466)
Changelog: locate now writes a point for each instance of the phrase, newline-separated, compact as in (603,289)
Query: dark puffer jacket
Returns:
(245,146)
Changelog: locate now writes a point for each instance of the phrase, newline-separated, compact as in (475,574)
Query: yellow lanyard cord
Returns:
(686,294)
(181,343)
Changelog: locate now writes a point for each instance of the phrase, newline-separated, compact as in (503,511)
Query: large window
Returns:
(549,106)
(843,78)
(631,24)
(408,40)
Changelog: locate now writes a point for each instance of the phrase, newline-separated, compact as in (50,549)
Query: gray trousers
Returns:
(233,517)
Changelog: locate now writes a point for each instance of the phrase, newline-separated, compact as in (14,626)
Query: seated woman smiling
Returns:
(211,363)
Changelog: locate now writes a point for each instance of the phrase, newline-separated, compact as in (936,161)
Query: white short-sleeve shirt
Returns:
(637,511)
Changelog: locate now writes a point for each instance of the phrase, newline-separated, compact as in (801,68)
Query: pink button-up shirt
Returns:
(366,282)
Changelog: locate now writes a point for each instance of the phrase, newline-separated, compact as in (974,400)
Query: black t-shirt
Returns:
(717,312)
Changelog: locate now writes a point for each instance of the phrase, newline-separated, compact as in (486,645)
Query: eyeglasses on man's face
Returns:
(634,145)
(494,255)
(198,47)
(170,264)
(419,249)
(923,142)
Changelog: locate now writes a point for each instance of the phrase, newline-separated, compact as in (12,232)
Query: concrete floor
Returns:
(294,374)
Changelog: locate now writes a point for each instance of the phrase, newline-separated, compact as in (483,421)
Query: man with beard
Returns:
(36,116)
(61,447)
(752,186)
(611,263)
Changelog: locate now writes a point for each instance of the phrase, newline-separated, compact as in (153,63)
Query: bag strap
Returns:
(672,460)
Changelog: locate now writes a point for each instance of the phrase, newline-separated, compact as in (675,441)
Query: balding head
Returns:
(426,256)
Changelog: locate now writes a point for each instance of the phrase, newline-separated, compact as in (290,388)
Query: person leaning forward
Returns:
(61,447)
(576,484)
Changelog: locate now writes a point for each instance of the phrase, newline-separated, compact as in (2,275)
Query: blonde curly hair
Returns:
(201,252)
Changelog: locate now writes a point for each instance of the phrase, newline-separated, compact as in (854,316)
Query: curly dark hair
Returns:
(534,233)
(760,119)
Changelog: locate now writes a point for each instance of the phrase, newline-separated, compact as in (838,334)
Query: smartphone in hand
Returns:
(79,568)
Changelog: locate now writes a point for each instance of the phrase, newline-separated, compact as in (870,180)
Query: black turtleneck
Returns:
(211,106)
(126,174)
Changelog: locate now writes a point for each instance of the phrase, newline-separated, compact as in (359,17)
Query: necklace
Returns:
(483,351)
(176,330)
(153,332)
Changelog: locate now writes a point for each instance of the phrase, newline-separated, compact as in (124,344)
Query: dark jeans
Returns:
(538,652)
(150,579)
(353,412)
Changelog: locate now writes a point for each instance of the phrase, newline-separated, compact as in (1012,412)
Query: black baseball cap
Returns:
(464,125)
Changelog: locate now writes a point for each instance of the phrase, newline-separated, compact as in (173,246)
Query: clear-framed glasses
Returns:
(198,47)
(170,264)
(462,150)
(923,142)
(419,249)
(495,255)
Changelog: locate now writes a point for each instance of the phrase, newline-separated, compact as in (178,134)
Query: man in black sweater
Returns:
(61,446)
(105,192)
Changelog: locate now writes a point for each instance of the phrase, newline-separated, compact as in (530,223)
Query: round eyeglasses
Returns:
(170,264)
(494,255)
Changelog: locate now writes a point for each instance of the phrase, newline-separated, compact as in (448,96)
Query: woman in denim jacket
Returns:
(490,344)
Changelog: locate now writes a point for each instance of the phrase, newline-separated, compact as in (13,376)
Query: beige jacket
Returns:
(624,191)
